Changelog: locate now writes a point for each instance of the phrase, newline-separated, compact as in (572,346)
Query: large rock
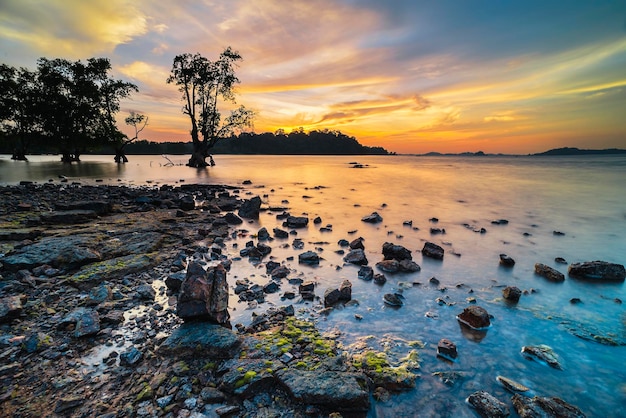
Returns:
(356,257)
(487,405)
(296,222)
(68,216)
(374,218)
(475,317)
(549,273)
(396,252)
(250,208)
(309,257)
(85,321)
(11,307)
(432,250)
(544,407)
(204,294)
(202,338)
(336,391)
(597,270)
(511,293)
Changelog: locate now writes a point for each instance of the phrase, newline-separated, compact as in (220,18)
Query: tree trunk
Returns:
(120,156)
(19,155)
(198,157)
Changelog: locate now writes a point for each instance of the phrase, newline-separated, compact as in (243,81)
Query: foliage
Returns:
(139,122)
(205,86)
(70,104)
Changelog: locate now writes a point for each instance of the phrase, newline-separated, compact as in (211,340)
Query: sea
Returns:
(569,207)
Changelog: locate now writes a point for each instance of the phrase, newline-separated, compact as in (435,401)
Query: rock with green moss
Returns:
(202,338)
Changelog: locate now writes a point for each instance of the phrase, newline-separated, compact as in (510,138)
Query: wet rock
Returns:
(356,256)
(432,250)
(202,338)
(69,217)
(543,354)
(511,293)
(549,273)
(436,231)
(86,322)
(500,222)
(345,291)
(475,317)
(130,357)
(511,385)
(506,261)
(271,287)
(146,292)
(409,266)
(446,349)
(337,391)
(250,208)
(280,233)
(263,234)
(597,270)
(296,222)
(331,297)
(204,293)
(343,243)
(487,405)
(380,279)
(309,257)
(99,294)
(174,281)
(280,272)
(366,273)
(317,220)
(232,219)
(575,301)
(392,299)
(560,260)
(307,290)
(373,218)
(64,405)
(187,203)
(357,243)
(395,252)
(545,407)
(100,207)
(11,307)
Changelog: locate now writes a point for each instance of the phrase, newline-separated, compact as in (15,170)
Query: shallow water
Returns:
(582,197)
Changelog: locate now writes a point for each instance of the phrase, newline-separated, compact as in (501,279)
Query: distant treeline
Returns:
(326,142)
(577,151)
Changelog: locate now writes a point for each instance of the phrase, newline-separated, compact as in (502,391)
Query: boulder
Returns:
(333,390)
(345,290)
(280,233)
(544,407)
(446,349)
(187,202)
(250,208)
(309,257)
(409,266)
(263,234)
(389,266)
(487,405)
(392,299)
(356,257)
(204,294)
(597,270)
(232,219)
(331,297)
(357,243)
(202,338)
(506,261)
(549,273)
(475,317)
(374,218)
(395,252)
(511,293)
(433,251)
(366,273)
(296,222)
(280,272)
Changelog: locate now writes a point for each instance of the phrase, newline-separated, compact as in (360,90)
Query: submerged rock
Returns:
(511,385)
(549,273)
(597,270)
(542,353)
(475,317)
(545,407)
(487,405)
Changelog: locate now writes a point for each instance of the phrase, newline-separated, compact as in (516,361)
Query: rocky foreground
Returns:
(114,302)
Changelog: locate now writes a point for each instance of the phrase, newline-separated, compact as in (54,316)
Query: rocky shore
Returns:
(114,302)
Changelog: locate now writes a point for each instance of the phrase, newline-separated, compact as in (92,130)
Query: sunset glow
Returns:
(411,76)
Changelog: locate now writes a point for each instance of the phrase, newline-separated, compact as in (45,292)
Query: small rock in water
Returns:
(488,405)
(542,353)
(597,270)
(545,407)
(392,299)
(374,218)
(575,301)
(309,257)
(506,261)
(366,273)
(511,385)
(475,317)
(560,260)
(433,251)
(549,273)
(511,293)
(447,349)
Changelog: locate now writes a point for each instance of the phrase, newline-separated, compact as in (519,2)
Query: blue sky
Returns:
(412,76)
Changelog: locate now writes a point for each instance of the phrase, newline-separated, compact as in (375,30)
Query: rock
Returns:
(146,292)
(356,257)
(280,272)
(280,233)
(187,203)
(309,257)
(86,322)
(336,391)
(389,266)
(409,266)
(250,208)
(331,297)
(307,290)
(366,273)
(65,404)
(506,261)
(204,339)
(100,207)
(511,385)
(317,220)
(475,317)
(232,219)
(204,293)
(447,349)
(433,251)
(597,270)
(395,252)
(262,234)
(296,222)
(560,260)
(487,405)
(69,217)
(545,407)
(343,243)
(373,218)
(436,231)
(131,357)
(345,290)
(500,222)
(11,307)
(380,279)
(392,299)
(549,273)
(511,293)
(543,354)
(271,287)
(99,294)
(174,281)
(357,243)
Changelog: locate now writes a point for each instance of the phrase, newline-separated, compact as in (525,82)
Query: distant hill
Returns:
(577,151)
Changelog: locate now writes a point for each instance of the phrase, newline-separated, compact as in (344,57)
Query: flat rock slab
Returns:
(597,270)
(78,216)
(202,338)
(95,273)
(333,390)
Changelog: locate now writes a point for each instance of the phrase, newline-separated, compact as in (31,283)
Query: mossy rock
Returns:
(94,273)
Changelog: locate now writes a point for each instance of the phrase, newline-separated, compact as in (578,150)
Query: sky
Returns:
(413,76)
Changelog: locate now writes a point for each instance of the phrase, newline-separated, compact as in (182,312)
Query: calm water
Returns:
(583,197)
